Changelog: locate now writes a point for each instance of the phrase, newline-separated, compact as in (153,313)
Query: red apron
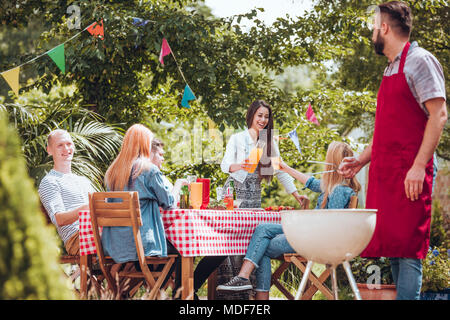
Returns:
(403,226)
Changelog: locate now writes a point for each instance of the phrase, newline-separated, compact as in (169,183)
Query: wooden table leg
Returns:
(212,284)
(83,276)
(187,278)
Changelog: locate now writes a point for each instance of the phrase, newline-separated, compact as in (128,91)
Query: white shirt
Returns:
(238,149)
(60,192)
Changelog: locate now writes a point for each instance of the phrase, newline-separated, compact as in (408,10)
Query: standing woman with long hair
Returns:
(259,120)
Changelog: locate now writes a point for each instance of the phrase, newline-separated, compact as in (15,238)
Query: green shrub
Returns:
(29,267)
(436,270)
(437,232)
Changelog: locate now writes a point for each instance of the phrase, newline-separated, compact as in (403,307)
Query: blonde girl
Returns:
(268,240)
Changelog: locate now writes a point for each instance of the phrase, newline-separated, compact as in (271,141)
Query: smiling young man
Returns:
(63,194)
(410,117)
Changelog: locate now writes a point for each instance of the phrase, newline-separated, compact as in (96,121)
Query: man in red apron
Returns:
(410,116)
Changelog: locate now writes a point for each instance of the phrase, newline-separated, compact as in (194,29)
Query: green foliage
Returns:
(35,114)
(120,81)
(438,236)
(340,30)
(29,267)
(436,270)
(361,273)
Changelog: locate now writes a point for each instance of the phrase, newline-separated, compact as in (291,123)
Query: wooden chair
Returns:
(126,214)
(315,283)
(95,278)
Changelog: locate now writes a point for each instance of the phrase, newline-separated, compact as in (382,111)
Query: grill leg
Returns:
(334,282)
(351,279)
(304,280)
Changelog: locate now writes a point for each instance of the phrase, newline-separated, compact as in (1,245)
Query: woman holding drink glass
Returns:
(250,157)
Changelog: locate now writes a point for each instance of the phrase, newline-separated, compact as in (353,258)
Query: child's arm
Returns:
(294,173)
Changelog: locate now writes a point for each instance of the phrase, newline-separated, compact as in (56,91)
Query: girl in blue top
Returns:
(268,240)
(132,170)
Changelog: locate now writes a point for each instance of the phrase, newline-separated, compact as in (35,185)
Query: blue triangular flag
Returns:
(294,137)
(140,22)
(187,95)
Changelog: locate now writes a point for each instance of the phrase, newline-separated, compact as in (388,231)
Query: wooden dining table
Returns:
(193,233)
(197,233)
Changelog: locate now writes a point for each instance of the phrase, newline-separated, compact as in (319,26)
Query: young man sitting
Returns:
(63,194)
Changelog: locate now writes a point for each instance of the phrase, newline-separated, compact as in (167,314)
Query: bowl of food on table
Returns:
(278,208)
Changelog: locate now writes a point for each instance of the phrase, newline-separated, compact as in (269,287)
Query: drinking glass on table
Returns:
(237,202)
(196,194)
(191,179)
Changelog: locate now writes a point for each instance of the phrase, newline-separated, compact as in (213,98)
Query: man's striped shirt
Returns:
(60,192)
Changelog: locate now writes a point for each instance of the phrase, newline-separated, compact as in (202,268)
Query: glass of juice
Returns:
(255,156)
(196,194)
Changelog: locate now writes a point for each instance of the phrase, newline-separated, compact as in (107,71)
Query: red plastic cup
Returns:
(205,199)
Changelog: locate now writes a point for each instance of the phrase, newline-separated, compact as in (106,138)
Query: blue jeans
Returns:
(268,241)
(407,274)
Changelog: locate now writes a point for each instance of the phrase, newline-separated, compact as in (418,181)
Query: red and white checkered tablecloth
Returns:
(198,232)
(213,232)
(87,243)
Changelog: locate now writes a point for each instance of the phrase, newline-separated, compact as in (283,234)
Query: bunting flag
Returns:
(96,29)
(311,116)
(12,77)
(140,22)
(165,50)
(187,95)
(294,137)
(57,55)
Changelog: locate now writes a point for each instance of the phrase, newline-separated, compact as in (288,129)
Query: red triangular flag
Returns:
(311,116)
(165,50)
(96,30)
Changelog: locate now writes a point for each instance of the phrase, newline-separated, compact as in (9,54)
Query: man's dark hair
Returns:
(400,16)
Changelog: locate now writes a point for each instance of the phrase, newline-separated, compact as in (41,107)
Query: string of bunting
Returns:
(96,29)
(310,116)
(188,95)
(56,54)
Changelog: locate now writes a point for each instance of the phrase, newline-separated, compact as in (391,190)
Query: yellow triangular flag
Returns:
(12,77)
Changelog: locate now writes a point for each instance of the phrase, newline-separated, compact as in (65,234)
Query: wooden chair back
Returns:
(126,213)
(353,202)
(95,276)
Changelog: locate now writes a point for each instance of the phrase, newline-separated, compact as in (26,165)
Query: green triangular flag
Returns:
(57,55)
